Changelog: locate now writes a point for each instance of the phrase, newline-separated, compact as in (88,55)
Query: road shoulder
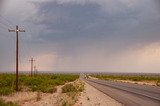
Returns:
(93,97)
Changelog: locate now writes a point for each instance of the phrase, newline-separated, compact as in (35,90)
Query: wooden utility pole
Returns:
(35,70)
(17,49)
(32,60)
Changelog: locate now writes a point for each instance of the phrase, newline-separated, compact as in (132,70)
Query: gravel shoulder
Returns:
(93,97)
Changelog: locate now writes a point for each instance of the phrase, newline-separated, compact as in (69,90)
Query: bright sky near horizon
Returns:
(82,35)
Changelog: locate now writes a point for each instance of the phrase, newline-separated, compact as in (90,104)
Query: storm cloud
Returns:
(90,20)
(91,35)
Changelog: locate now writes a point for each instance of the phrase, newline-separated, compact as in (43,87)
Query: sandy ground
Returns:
(35,98)
(89,97)
(92,97)
(151,83)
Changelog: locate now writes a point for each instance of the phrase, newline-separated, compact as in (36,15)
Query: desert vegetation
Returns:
(71,92)
(3,103)
(131,77)
(43,82)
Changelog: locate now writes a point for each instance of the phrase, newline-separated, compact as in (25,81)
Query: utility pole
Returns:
(35,70)
(17,49)
(32,60)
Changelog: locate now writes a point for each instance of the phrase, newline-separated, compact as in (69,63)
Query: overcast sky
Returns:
(82,35)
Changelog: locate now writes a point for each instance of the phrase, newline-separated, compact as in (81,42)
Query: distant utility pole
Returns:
(32,60)
(35,70)
(17,49)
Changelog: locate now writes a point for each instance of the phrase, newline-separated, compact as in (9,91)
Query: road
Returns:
(128,94)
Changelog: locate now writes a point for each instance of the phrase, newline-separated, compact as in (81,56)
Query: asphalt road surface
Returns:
(128,94)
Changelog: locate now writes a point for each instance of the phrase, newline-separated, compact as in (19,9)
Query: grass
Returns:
(154,78)
(72,91)
(73,87)
(65,103)
(43,82)
(69,88)
(3,103)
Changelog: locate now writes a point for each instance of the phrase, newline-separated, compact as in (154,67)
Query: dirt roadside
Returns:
(89,97)
(93,97)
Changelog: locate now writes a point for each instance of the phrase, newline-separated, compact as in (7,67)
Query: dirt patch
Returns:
(93,97)
(34,98)
(20,97)
(151,83)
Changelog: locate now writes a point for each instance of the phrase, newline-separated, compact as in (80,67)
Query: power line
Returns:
(9,22)
(4,25)
(25,47)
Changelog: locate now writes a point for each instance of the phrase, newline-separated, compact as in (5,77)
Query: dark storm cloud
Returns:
(64,21)
(74,21)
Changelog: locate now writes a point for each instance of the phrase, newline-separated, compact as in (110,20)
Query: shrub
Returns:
(68,88)
(158,83)
(65,103)
(77,86)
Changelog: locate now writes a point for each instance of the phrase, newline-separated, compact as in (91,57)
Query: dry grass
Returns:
(71,92)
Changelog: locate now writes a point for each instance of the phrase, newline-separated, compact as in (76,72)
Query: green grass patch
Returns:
(6,90)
